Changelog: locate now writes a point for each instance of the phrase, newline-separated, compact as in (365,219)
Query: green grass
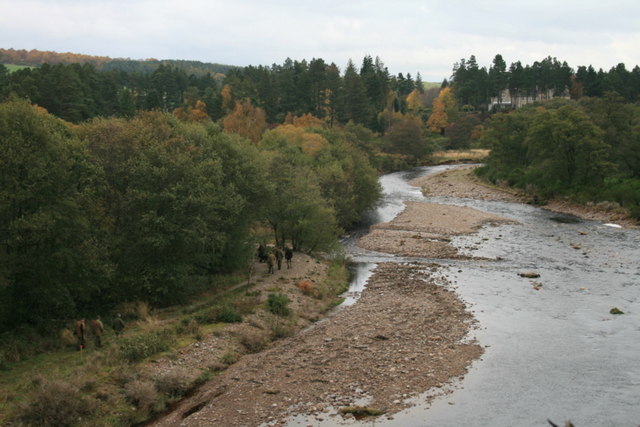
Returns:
(429,85)
(14,67)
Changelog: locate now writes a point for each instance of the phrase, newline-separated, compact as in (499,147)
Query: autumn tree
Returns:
(444,111)
(246,120)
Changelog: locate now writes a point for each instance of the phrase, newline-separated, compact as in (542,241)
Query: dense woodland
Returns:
(143,183)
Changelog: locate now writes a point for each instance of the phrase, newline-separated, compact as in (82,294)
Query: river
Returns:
(554,353)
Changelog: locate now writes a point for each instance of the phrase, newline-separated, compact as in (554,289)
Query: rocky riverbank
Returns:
(403,337)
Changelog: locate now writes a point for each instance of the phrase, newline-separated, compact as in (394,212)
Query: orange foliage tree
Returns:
(246,120)
(197,113)
(444,111)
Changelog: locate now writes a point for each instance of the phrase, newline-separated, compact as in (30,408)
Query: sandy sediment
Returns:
(424,230)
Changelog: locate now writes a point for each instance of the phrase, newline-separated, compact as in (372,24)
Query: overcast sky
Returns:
(409,36)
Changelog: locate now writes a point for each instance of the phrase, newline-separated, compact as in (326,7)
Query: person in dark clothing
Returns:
(262,253)
(81,333)
(118,324)
(288,255)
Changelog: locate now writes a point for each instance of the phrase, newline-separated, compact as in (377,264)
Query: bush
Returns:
(230,358)
(228,314)
(55,403)
(141,393)
(136,348)
(307,287)
(174,383)
(253,341)
(278,304)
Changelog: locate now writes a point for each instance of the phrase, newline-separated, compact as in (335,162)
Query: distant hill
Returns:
(35,58)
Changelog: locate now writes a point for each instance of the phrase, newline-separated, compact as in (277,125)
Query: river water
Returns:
(554,353)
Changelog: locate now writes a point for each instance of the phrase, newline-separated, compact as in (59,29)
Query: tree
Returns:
(297,212)
(405,137)
(174,210)
(51,263)
(566,150)
(461,133)
(354,103)
(444,111)
(498,77)
(246,120)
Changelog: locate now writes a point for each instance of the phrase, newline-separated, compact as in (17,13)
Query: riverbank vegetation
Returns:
(152,208)
(585,150)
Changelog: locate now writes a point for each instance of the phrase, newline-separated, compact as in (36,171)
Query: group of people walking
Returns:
(81,331)
(274,255)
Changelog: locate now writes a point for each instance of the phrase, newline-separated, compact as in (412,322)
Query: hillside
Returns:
(36,58)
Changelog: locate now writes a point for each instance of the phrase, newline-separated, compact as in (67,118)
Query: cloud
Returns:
(409,36)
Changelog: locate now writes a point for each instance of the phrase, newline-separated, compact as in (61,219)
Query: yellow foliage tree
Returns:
(308,121)
(310,143)
(246,120)
(445,111)
(415,100)
(438,120)
(226,98)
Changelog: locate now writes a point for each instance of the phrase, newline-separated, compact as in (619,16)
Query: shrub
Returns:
(193,328)
(279,330)
(228,314)
(141,393)
(55,403)
(174,383)
(307,288)
(138,347)
(278,304)
(230,358)
(253,341)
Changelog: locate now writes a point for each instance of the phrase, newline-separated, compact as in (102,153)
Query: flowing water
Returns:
(554,353)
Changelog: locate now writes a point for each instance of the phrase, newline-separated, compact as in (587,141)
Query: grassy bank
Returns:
(472,155)
(124,383)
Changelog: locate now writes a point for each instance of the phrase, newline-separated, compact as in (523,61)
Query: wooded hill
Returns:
(35,58)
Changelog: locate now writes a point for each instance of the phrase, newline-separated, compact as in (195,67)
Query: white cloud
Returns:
(409,36)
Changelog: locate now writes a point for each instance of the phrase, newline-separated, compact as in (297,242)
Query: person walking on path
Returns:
(271,261)
(97,327)
(288,255)
(118,324)
(81,333)
(279,256)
